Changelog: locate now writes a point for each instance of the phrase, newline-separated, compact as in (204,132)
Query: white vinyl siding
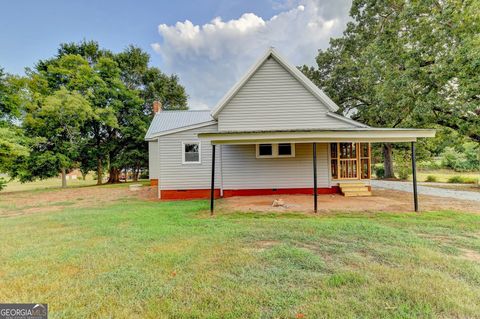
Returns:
(272,99)
(241,169)
(174,175)
(153,160)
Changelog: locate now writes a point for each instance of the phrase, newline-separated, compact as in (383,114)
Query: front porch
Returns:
(349,153)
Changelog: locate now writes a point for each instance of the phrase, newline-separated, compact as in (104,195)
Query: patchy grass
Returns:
(444,175)
(50,183)
(171,260)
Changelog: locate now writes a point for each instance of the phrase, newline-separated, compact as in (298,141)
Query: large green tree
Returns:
(120,89)
(406,63)
(13,143)
(57,124)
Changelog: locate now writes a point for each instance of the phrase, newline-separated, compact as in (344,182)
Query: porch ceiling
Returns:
(368,134)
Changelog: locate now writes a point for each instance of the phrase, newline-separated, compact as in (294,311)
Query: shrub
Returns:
(468,160)
(455,179)
(431,178)
(3,183)
(403,173)
(379,172)
(462,180)
(144,174)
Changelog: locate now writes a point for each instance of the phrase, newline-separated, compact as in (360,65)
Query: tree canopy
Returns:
(86,107)
(406,63)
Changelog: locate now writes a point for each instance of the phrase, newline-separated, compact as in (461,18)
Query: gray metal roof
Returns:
(164,121)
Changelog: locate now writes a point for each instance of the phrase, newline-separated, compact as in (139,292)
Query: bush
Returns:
(462,180)
(431,178)
(403,173)
(3,183)
(455,179)
(468,160)
(144,174)
(379,172)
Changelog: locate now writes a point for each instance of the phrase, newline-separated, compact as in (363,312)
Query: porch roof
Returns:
(363,134)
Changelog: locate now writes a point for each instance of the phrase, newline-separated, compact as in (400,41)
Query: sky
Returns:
(208,44)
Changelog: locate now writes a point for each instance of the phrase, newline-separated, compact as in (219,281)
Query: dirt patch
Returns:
(262,245)
(21,203)
(471,255)
(380,201)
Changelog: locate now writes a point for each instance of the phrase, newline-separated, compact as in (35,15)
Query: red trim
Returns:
(188,194)
(280,191)
(154,182)
(205,193)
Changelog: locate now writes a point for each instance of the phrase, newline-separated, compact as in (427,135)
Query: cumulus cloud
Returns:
(210,58)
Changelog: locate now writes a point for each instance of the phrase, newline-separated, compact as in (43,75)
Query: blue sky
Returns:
(209,44)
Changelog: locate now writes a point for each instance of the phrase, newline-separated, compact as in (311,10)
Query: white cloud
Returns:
(210,58)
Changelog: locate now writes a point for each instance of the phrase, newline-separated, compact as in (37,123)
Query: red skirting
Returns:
(188,194)
(154,182)
(205,193)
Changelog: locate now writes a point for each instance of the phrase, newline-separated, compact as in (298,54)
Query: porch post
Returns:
(315,195)
(414,173)
(212,185)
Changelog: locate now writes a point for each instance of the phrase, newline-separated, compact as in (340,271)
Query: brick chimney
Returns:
(157,106)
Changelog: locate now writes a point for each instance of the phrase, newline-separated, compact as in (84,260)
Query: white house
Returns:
(274,132)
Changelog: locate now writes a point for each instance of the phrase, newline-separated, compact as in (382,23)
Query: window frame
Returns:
(199,152)
(274,151)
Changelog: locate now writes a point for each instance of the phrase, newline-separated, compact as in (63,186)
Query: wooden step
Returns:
(357,194)
(354,188)
(353,184)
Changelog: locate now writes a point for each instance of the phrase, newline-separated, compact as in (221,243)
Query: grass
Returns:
(55,183)
(171,260)
(444,175)
(16,186)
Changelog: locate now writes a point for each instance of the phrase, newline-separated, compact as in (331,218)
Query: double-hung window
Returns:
(191,153)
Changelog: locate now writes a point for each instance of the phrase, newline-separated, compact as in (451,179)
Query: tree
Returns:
(402,63)
(57,123)
(120,89)
(13,143)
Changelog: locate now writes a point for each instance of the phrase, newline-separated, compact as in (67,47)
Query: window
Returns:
(275,150)
(265,150)
(350,160)
(285,149)
(190,152)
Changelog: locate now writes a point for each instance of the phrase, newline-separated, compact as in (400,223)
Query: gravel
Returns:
(425,190)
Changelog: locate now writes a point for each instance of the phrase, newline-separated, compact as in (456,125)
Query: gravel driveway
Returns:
(425,190)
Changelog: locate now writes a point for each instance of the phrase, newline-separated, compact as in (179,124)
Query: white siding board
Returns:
(177,176)
(153,160)
(272,99)
(243,170)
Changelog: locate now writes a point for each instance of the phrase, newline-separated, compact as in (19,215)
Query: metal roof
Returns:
(164,121)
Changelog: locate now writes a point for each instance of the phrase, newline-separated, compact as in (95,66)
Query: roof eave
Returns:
(154,136)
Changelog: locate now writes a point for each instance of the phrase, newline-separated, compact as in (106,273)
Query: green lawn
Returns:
(443,175)
(16,186)
(135,259)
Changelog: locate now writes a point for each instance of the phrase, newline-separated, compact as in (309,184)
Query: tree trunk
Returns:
(114,175)
(99,171)
(135,174)
(387,149)
(64,177)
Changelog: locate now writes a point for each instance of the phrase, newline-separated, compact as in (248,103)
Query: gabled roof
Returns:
(166,122)
(322,97)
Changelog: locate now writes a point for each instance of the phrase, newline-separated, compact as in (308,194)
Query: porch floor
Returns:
(381,200)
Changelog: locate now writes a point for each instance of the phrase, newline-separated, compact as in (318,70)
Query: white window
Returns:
(275,150)
(191,153)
